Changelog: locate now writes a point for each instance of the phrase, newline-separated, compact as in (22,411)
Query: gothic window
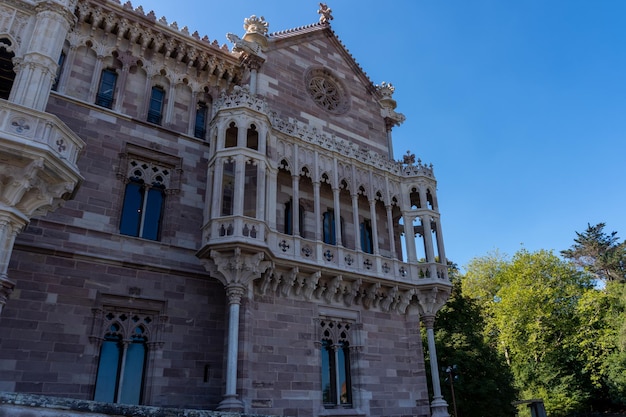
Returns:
(199,130)
(155,109)
(144,200)
(7,75)
(367,245)
(336,363)
(289,218)
(252,138)
(228,188)
(60,63)
(250,189)
(106,89)
(126,330)
(231,136)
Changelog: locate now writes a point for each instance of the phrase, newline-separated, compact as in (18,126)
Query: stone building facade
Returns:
(194,226)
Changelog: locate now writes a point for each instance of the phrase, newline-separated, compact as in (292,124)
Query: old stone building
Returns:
(197,226)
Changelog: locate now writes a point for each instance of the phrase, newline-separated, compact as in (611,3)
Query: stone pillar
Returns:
(295,205)
(374,227)
(128,60)
(236,271)
(36,71)
(392,237)
(355,220)
(67,68)
(409,233)
(428,239)
(430,300)
(234,292)
(337,210)
(261,190)
(317,210)
(96,75)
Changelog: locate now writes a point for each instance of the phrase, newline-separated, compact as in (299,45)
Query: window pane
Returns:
(131,211)
(329,228)
(228,184)
(152,213)
(288,218)
(108,365)
(156,105)
(231,136)
(107,88)
(327,372)
(250,191)
(133,373)
(200,125)
(343,373)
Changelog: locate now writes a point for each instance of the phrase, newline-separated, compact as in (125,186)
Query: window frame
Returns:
(106,88)
(155,105)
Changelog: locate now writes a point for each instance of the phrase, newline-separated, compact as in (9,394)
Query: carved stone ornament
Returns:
(255,24)
(327,91)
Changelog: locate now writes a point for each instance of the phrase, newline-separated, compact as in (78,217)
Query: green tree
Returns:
(599,253)
(482,381)
(529,304)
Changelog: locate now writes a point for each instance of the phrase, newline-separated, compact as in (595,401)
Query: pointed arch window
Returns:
(202,111)
(289,218)
(228,189)
(367,245)
(336,363)
(230,141)
(252,138)
(143,209)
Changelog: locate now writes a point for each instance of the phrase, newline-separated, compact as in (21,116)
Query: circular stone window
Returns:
(326,91)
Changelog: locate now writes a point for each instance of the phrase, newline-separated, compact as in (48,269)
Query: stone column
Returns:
(128,60)
(295,205)
(96,76)
(392,237)
(355,220)
(316,210)
(234,292)
(337,210)
(430,301)
(374,227)
(236,271)
(67,68)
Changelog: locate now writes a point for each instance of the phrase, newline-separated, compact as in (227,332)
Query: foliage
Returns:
(482,382)
(599,253)
(529,304)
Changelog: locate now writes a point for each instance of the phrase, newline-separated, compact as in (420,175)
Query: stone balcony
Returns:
(38,155)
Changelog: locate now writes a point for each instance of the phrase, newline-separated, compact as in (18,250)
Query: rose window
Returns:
(326,91)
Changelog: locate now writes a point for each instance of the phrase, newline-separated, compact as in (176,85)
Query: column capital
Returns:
(235,269)
(430,300)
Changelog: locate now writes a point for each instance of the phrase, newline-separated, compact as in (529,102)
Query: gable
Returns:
(310,77)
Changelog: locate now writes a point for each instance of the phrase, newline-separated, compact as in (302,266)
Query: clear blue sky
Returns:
(520,105)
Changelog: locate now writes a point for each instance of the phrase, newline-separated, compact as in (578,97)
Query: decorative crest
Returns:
(386,89)
(325,13)
(255,24)
(409,158)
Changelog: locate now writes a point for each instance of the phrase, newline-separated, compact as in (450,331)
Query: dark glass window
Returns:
(121,368)
(106,89)
(336,384)
(329,227)
(252,138)
(143,209)
(289,218)
(367,245)
(228,187)
(155,110)
(199,130)
(231,136)
(60,63)
(7,75)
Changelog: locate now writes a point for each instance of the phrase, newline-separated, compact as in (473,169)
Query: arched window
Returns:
(335,361)
(250,189)
(367,244)
(252,138)
(106,90)
(231,136)
(228,188)
(7,75)
(155,109)
(143,207)
(199,130)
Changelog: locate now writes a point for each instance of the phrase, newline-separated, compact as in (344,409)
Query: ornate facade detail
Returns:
(327,91)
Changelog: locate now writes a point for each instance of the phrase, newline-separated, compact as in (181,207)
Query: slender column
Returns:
(389,123)
(409,234)
(439,236)
(295,205)
(355,220)
(147,94)
(230,402)
(171,98)
(240,172)
(95,79)
(260,213)
(193,108)
(392,237)
(439,406)
(428,239)
(337,209)
(120,383)
(217,186)
(67,68)
(317,210)
(272,188)
(127,61)
(374,227)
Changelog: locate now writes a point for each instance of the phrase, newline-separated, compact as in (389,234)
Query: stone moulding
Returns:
(242,98)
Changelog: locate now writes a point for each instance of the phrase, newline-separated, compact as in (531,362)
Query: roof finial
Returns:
(325,13)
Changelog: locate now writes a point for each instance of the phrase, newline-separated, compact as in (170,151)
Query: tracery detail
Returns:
(326,91)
